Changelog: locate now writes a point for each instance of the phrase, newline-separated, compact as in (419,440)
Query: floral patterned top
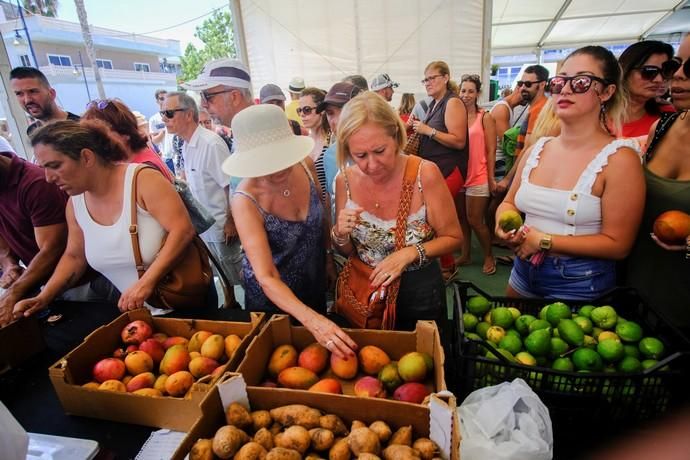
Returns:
(374,238)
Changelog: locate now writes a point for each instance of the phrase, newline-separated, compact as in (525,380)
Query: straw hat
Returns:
(264,143)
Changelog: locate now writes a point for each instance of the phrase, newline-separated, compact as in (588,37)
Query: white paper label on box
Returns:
(161,445)
(233,390)
(441,425)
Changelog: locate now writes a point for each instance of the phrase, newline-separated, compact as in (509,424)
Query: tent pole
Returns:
(486,43)
(238,32)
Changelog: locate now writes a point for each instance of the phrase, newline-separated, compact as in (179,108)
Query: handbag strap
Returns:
(133,228)
(411,168)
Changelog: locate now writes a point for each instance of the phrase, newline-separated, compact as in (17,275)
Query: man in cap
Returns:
(332,104)
(37,97)
(204,153)
(295,88)
(383,85)
(225,88)
(272,94)
(358,80)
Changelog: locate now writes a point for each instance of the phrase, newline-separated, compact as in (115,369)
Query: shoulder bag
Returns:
(356,301)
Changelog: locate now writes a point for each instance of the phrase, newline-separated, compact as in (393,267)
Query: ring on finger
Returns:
(329,343)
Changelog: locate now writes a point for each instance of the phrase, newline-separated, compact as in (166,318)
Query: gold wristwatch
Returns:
(545,243)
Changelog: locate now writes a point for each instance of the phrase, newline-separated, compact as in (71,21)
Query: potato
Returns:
(313,456)
(265,438)
(357,424)
(280,453)
(340,450)
(363,440)
(228,440)
(296,414)
(403,436)
(368,456)
(202,450)
(295,437)
(251,451)
(400,452)
(275,428)
(382,430)
(333,423)
(321,439)
(237,415)
(426,447)
(261,419)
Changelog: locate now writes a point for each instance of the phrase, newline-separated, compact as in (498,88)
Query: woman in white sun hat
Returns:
(281,223)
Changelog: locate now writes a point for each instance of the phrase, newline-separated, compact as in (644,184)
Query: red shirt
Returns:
(146,155)
(639,127)
(27,201)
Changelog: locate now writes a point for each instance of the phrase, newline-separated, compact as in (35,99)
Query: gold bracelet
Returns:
(340,241)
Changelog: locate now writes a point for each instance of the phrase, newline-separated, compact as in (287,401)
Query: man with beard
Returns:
(37,97)
(532,91)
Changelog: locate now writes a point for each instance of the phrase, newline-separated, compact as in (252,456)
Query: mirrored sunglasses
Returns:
(99,104)
(578,84)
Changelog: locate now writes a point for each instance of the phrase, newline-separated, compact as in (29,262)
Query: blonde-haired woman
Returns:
(444,133)
(371,136)
(407,103)
(582,192)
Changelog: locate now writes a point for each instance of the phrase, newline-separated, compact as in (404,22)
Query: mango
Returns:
(283,357)
(126,379)
(171,341)
(138,362)
(232,343)
(143,380)
(412,367)
(217,372)
(372,359)
(197,340)
(176,359)
(344,368)
(154,349)
(109,369)
(148,392)
(327,386)
(297,378)
(411,392)
(314,357)
(213,347)
(389,376)
(202,366)
(179,383)
(91,385)
(672,227)
(159,384)
(113,385)
(369,387)
(160,337)
(194,354)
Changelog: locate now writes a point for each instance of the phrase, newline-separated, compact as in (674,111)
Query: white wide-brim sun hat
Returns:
(264,143)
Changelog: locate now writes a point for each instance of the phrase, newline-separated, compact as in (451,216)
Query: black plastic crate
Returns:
(590,401)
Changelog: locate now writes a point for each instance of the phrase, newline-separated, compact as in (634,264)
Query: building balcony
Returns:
(63,73)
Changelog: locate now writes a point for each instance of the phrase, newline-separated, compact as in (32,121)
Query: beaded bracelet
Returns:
(340,241)
(687,251)
(421,252)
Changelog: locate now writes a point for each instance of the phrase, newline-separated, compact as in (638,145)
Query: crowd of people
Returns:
(314,199)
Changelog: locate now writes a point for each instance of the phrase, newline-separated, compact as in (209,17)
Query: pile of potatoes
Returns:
(297,432)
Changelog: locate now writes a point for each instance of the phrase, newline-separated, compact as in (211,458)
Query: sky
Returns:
(143,16)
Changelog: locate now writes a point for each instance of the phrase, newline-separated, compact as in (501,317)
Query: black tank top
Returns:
(446,158)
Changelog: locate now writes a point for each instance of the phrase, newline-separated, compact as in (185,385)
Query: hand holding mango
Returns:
(510,220)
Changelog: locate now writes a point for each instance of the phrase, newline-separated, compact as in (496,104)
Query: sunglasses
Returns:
(206,96)
(650,72)
(170,113)
(305,110)
(430,78)
(578,84)
(528,84)
(99,104)
(670,67)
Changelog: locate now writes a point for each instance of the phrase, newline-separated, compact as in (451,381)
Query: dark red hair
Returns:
(120,119)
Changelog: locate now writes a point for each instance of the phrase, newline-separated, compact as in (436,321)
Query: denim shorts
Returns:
(567,278)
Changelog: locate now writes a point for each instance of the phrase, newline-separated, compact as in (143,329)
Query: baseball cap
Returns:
(271,92)
(338,95)
(382,81)
(296,85)
(228,72)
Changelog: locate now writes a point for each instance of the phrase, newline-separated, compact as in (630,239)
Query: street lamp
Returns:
(75,72)
(17,38)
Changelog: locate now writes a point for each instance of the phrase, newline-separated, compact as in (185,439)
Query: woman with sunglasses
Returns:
(582,192)
(319,130)
(643,79)
(123,126)
(660,272)
(480,182)
(444,137)
(87,163)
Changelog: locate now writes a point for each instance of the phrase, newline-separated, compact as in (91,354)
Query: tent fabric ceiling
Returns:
(534,24)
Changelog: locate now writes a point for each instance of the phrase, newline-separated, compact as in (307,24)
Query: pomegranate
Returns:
(136,332)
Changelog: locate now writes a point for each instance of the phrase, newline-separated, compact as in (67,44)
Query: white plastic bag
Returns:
(506,421)
(14,442)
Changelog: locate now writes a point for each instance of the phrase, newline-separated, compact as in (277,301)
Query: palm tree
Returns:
(88,42)
(42,7)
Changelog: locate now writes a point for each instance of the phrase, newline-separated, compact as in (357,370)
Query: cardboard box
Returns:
(19,341)
(278,331)
(73,370)
(438,420)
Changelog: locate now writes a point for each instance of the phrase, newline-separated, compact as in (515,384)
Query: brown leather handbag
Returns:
(356,301)
(186,285)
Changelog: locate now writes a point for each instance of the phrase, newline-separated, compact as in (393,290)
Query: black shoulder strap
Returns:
(424,105)
(667,119)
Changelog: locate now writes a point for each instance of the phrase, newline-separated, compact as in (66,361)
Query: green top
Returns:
(662,277)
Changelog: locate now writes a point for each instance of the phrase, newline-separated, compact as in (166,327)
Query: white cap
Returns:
(228,72)
(382,81)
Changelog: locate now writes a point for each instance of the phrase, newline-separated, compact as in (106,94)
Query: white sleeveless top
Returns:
(108,248)
(565,212)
